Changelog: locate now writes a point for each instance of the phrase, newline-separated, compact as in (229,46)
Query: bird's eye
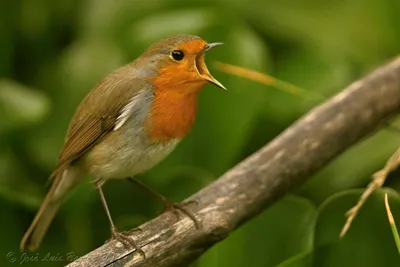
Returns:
(177,55)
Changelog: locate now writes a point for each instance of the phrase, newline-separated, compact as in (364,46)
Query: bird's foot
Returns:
(133,231)
(126,241)
(168,205)
(175,207)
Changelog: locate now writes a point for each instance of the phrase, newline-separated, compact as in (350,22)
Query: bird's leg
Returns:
(122,237)
(168,205)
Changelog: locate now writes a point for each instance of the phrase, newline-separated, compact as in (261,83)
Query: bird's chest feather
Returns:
(172,115)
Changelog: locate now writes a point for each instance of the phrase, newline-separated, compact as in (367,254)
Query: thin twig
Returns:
(266,80)
(378,179)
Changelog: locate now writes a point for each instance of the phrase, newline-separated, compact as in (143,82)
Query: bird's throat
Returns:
(172,115)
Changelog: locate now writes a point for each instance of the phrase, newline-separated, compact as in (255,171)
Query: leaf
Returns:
(151,28)
(15,185)
(20,106)
(300,260)
(327,27)
(339,176)
(369,242)
(279,233)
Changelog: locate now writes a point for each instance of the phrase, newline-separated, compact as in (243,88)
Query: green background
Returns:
(53,52)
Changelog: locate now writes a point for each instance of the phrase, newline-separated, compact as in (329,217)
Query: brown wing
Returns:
(97,114)
(90,131)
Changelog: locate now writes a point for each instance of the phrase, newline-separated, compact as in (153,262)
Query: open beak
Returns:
(202,68)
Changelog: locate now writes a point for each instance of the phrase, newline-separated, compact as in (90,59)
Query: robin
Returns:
(129,122)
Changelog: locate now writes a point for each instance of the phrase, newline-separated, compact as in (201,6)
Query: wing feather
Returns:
(97,115)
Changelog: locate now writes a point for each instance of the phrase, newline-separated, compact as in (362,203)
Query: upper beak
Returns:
(202,68)
(211,45)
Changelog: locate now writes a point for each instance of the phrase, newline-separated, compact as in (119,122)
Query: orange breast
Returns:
(174,108)
(172,115)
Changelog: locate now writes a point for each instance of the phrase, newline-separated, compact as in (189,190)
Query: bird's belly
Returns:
(122,156)
(132,160)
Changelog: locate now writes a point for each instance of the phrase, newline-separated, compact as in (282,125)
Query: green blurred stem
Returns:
(392,223)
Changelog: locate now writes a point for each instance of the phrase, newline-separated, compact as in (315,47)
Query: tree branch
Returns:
(260,180)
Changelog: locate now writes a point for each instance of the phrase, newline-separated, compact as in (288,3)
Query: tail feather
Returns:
(62,184)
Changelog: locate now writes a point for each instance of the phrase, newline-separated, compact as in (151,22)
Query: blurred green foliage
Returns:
(53,52)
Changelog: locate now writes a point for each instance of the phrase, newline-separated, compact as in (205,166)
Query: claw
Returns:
(125,240)
(168,205)
(133,231)
(174,207)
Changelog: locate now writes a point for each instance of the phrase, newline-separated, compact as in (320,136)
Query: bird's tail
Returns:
(62,185)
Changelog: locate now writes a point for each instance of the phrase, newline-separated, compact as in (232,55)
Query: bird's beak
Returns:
(212,80)
(211,45)
(202,68)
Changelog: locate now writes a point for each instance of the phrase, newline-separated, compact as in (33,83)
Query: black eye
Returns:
(177,55)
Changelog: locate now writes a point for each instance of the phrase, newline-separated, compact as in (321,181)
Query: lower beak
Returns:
(212,80)
(202,68)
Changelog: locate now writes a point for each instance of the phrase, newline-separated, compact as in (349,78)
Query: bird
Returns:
(127,123)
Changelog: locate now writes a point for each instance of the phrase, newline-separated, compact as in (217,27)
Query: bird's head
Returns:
(179,60)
